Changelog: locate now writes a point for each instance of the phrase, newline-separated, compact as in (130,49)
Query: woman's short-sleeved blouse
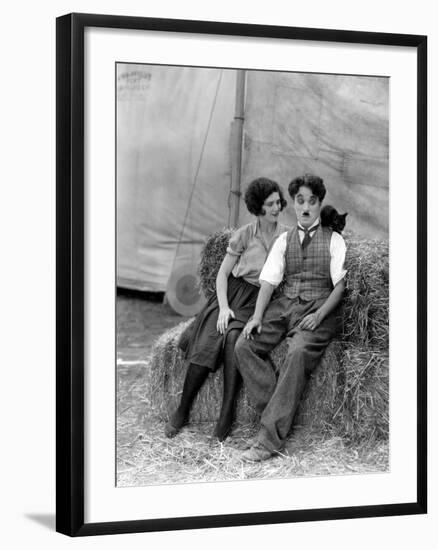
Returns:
(247,244)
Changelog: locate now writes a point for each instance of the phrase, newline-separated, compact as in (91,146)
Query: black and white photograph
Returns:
(253,274)
(241,304)
(218,275)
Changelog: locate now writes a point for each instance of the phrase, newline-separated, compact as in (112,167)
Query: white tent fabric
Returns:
(174,156)
(173,167)
(335,126)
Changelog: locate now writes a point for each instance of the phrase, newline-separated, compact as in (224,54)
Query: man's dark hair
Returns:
(314,183)
(258,191)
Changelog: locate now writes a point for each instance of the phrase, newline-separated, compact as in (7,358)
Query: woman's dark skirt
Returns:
(201,343)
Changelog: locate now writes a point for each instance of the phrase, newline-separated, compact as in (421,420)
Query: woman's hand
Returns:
(311,321)
(225,314)
(251,325)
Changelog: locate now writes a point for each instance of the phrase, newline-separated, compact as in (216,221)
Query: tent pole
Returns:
(236,148)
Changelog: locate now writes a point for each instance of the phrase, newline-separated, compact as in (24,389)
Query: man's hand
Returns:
(251,325)
(311,321)
(223,319)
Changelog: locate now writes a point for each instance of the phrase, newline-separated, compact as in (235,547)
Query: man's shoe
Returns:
(257,453)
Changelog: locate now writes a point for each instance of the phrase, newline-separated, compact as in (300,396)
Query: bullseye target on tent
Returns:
(183,291)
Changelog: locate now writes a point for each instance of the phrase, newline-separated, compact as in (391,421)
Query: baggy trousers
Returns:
(276,395)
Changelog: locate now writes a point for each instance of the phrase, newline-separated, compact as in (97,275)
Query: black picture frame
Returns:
(70,272)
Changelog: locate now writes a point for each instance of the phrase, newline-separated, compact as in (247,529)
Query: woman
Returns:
(210,340)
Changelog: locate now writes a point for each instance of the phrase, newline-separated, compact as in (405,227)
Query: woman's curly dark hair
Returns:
(258,191)
(314,183)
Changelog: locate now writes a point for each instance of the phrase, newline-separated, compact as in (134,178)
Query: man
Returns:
(310,258)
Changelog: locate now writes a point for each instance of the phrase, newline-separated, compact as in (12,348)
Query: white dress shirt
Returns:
(273,270)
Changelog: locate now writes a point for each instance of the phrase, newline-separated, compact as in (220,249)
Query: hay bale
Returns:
(364,399)
(347,395)
(167,373)
(168,370)
(366,300)
(212,255)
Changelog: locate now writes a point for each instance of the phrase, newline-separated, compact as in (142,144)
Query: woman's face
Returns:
(272,207)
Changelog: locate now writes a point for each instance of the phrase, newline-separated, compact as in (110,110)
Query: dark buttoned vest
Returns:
(307,272)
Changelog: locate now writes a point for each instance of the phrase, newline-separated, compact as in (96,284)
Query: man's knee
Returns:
(303,354)
(297,343)
(298,350)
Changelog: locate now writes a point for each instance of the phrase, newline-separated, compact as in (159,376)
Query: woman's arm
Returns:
(221,291)
(270,277)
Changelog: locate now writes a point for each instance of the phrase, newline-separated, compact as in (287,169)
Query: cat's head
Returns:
(339,221)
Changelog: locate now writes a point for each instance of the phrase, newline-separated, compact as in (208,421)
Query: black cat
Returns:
(330,217)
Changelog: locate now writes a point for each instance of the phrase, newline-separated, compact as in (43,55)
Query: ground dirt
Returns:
(146,457)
